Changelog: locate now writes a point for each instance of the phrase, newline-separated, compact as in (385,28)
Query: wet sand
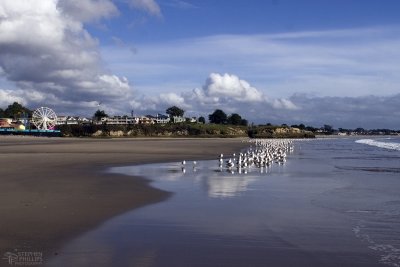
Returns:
(53,189)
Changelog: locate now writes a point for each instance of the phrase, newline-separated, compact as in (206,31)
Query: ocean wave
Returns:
(387,145)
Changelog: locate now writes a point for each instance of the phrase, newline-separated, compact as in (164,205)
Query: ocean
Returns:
(334,202)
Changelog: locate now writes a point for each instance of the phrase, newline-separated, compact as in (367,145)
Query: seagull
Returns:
(194,165)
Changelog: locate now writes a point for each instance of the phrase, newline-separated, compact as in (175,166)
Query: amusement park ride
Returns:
(44,118)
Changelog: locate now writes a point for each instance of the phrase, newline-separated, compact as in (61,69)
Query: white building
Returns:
(192,119)
(160,118)
(66,120)
(83,120)
(120,120)
(70,120)
(147,119)
(178,119)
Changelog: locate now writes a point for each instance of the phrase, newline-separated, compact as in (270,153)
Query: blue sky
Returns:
(316,62)
(191,19)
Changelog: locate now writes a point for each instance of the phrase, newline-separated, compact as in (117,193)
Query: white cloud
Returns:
(160,103)
(230,86)
(31,23)
(150,6)
(172,99)
(120,85)
(229,91)
(51,58)
(8,97)
(283,104)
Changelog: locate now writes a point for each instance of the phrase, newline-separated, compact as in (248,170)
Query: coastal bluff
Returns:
(183,130)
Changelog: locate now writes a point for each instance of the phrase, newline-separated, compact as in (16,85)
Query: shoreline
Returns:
(54,189)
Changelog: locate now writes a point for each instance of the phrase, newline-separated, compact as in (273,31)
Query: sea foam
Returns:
(387,145)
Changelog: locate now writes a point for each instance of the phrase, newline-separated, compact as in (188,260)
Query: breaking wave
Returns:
(387,145)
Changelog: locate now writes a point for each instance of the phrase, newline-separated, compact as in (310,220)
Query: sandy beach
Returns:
(53,189)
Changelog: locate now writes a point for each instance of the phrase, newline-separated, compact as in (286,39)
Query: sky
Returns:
(315,62)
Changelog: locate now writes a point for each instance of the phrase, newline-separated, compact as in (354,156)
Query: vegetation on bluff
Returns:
(271,131)
(182,130)
(154,130)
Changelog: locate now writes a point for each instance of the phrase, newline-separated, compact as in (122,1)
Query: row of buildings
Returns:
(19,124)
(124,120)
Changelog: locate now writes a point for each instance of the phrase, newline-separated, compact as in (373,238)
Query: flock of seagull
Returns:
(265,153)
(262,153)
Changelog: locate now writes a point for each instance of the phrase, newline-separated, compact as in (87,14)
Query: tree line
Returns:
(15,111)
(217,117)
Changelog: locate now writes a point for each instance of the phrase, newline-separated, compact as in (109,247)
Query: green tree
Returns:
(244,122)
(218,117)
(359,130)
(16,111)
(202,120)
(1,113)
(99,114)
(174,111)
(234,119)
(328,129)
(311,129)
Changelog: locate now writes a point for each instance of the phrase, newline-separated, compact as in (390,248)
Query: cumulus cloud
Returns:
(160,103)
(150,6)
(282,103)
(51,58)
(172,99)
(227,89)
(230,87)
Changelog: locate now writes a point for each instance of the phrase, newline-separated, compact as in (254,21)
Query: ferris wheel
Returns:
(44,118)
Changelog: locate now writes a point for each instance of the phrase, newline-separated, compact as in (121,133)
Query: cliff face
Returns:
(167,130)
(279,132)
(183,130)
